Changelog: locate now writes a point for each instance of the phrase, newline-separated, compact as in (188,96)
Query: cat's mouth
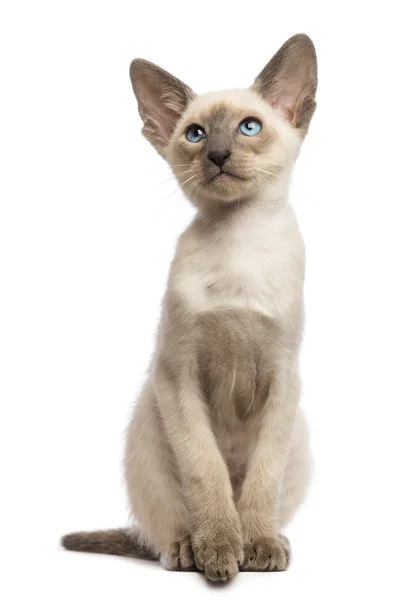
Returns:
(225,176)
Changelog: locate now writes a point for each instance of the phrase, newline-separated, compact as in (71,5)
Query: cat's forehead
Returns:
(215,109)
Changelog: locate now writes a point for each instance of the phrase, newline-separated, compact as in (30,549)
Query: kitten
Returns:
(217,454)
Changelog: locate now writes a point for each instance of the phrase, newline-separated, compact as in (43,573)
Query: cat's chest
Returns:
(257,265)
(243,276)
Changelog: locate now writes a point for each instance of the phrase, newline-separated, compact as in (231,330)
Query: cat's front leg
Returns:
(218,545)
(264,547)
(215,525)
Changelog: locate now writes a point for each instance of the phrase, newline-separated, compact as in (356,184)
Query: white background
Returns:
(88,224)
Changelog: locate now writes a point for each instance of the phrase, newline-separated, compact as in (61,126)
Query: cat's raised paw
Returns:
(267,554)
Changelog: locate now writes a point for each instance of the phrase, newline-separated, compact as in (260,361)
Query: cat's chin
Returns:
(226,187)
(223,188)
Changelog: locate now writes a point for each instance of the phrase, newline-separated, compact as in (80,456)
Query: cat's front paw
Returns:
(267,554)
(218,550)
(179,556)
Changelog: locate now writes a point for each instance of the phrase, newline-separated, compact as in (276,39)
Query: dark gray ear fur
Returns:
(289,81)
(162,99)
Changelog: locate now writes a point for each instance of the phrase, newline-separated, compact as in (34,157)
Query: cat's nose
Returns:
(218,157)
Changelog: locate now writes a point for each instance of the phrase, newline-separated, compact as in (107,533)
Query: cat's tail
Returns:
(121,542)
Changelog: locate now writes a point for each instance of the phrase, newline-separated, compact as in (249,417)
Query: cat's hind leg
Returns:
(297,472)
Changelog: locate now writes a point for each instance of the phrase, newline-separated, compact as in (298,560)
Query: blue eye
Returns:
(195,133)
(250,126)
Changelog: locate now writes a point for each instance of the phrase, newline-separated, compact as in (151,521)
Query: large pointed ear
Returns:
(162,99)
(289,81)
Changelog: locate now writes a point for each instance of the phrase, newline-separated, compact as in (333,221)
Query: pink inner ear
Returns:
(285,108)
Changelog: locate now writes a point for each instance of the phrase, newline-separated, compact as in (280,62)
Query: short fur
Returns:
(217,458)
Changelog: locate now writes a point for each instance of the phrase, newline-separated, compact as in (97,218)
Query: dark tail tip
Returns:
(72,541)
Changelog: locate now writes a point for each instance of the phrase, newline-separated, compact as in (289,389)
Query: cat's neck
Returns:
(244,212)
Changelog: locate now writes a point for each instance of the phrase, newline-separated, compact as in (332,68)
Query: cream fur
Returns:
(217,458)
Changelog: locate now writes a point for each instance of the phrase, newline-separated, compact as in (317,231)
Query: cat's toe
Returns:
(267,554)
(179,556)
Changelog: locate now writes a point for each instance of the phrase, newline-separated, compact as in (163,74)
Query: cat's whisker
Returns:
(173,177)
(261,179)
(182,165)
(165,181)
(177,189)
(183,173)
(191,177)
(192,187)
(268,172)
(263,155)
(187,171)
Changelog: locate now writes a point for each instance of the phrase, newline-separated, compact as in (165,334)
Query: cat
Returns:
(217,454)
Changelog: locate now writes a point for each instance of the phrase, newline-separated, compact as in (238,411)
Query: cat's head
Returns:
(238,144)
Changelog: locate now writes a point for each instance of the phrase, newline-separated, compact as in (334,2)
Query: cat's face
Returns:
(227,146)
(230,145)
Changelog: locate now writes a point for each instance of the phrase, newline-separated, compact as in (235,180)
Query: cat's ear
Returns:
(289,81)
(162,99)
